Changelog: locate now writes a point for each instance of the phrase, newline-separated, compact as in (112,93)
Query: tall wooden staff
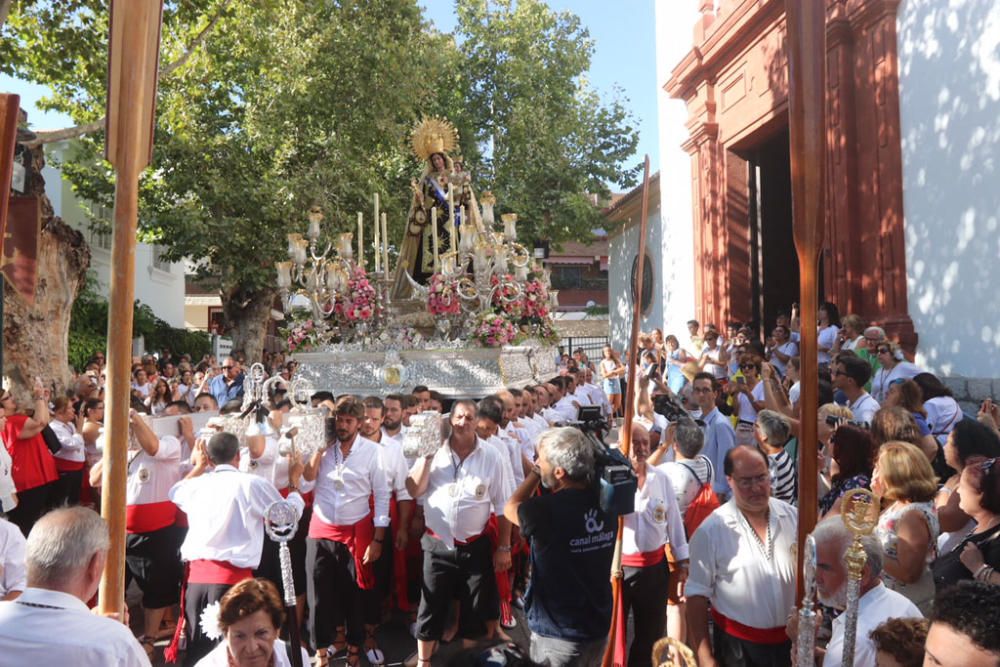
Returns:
(10,107)
(806,26)
(133,54)
(616,637)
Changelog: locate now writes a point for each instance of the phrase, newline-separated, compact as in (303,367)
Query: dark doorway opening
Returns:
(774,266)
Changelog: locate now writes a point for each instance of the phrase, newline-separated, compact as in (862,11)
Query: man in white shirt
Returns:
(742,553)
(565,405)
(850,375)
(13,577)
(50,624)
(225,510)
(461,485)
(345,536)
(876,604)
(964,624)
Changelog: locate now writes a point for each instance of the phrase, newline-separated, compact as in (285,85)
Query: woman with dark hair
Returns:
(828,324)
(943,411)
(33,467)
(852,456)
(907,394)
(892,365)
(894,423)
(250,615)
(966,441)
(159,397)
(976,556)
(675,357)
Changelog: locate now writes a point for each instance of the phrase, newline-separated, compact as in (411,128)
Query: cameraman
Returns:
(568,602)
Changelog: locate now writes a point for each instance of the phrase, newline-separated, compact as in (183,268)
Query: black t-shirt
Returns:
(948,569)
(572,544)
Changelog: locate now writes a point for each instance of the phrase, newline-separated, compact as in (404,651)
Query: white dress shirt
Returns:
(7,488)
(225,510)
(150,478)
(13,573)
(874,608)
(264,465)
(565,409)
(219,656)
(461,495)
(344,485)
(514,448)
(503,449)
(393,464)
(73,447)
(864,408)
(731,569)
(60,630)
(656,520)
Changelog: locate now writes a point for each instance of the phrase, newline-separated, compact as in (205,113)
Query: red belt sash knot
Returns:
(356,538)
(745,632)
(644,559)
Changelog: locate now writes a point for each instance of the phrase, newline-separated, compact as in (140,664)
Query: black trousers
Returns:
(270,561)
(335,599)
(67,490)
(31,505)
(154,561)
(644,591)
(735,652)
(466,573)
(196,598)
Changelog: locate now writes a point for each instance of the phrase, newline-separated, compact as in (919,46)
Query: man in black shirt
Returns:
(572,543)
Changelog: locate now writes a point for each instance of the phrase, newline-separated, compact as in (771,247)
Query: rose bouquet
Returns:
(494,330)
(442,296)
(302,334)
(507,297)
(534,300)
(359,302)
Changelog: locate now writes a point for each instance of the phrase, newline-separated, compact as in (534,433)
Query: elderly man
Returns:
(877,603)
(964,624)
(742,562)
(572,541)
(50,623)
(228,385)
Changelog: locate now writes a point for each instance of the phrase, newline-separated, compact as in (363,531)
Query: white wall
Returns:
(675,21)
(161,290)
(622,249)
(949,60)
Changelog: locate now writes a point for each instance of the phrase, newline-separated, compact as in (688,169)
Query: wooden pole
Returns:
(132,70)
(625,435)
(806,24)
(10,106)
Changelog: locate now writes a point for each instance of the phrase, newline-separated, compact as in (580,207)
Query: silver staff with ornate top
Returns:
(859,509)
(806,642)
(281,523)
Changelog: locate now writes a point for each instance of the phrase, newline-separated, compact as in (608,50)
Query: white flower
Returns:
(210,621)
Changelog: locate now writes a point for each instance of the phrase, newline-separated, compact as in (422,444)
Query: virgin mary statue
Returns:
(432,141)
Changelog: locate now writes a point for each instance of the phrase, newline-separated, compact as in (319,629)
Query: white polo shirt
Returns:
(656,520)
(874,608)
(461,495)
(345,484)
(729,567)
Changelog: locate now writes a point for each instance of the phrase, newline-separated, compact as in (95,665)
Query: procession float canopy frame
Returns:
(465,311)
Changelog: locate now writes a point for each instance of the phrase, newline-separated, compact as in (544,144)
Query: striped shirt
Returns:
(783,475)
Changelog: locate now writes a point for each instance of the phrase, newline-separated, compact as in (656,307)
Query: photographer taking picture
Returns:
(572,539)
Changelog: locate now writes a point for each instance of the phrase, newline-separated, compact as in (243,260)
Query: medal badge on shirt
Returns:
(659,512)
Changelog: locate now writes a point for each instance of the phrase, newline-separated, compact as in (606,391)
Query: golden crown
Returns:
(433,135)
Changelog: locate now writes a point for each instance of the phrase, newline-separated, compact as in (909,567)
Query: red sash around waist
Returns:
(747,633)
(461,542)
(148,517)
(356,538)
(644,559)
(64,465)
(217,572)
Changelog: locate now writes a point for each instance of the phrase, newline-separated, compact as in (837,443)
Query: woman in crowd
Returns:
(611,371)
(141,386)
(250,616)
(781,350)
(772,432)
(676,357)
(33,467)
(748,392)
(966,441)
(186,388)
(851,334)
(908,525)
(828,326)
(893,423)
(72,455)
(713,356)
(892,366)
(943,411)
(159,398)
(851,451)
(978,555)
(906,394)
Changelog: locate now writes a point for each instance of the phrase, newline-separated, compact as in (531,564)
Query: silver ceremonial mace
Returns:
(806,644)
(281,523)
(860,514)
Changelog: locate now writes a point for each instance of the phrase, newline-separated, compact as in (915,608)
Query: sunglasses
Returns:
(883,350)
(749,367)
(226,368)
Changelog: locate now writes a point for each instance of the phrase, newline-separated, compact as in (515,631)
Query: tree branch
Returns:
(4,10)
(52,136)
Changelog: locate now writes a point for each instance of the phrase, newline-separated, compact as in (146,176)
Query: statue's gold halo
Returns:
(433,135)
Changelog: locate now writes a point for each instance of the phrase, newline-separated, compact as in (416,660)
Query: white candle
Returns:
(284,274)
(385,247)
(434,236)
(378,238)
(361,239)
(451,211)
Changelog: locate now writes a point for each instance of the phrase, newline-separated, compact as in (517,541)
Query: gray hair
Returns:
(567,448)
(689,439)
(774,426)
(832,530)
(62,543)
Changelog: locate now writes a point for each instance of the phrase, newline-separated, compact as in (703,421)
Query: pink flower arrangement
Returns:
(442,297)
(534,300)
(506,299)
(495,330)
(302,335)
(359,303)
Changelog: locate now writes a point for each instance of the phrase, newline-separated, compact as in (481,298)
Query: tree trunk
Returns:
(36,337)
(247,315)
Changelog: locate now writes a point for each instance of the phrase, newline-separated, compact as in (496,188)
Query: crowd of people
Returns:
(510,512)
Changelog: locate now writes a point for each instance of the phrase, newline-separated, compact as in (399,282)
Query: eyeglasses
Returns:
(749,367)
(750,482)
(226,368)
(883,350)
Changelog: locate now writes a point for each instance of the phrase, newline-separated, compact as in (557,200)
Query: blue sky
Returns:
(624,55)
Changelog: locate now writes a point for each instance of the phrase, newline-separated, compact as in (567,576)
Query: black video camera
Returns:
(615,478)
